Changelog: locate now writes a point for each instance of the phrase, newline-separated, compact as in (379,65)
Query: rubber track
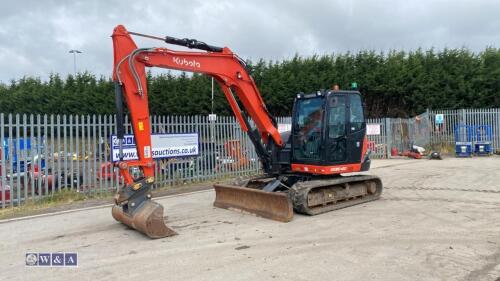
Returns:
(299,191)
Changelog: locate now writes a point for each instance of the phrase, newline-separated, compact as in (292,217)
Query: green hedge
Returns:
(397,84)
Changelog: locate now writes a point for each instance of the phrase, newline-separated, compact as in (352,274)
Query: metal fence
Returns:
(399,133)
(442,132)
(44,154)
(432,128)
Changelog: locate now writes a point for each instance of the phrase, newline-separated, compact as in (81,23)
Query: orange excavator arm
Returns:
(129,75)
(226,68)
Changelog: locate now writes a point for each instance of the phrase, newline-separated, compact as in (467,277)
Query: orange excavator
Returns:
(302,167)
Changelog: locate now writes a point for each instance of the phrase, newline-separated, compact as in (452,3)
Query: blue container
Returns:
(20,154)
(463,149)
(24,144)
(463,140)
(483,137)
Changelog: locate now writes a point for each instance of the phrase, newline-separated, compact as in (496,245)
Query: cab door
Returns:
(336,129)
(356,128)
(307,131)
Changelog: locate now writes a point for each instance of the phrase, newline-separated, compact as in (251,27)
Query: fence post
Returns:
(388,137)
(429,128)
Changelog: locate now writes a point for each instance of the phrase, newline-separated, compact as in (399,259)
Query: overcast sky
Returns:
(35,36)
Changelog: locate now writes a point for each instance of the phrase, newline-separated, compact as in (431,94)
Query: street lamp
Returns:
(74,52)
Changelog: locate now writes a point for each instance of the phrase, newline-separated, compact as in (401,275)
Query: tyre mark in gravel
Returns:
(394,198)
(443,188)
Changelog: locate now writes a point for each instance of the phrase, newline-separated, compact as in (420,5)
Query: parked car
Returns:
(56,180)
(106,172)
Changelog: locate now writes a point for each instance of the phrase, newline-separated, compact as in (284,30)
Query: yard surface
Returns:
(436,220)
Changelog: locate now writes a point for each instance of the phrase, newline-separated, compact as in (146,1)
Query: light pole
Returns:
(212,95)
(74,52)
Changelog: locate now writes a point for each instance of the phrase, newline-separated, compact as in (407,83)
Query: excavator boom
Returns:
(133,200)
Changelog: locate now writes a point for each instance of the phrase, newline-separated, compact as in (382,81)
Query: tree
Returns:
(393,84)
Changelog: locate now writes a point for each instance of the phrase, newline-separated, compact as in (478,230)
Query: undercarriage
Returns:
(276,198)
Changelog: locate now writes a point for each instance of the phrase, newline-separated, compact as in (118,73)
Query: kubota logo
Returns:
(185,62)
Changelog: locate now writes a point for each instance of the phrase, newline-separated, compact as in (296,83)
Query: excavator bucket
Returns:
(147,219)
(271,205)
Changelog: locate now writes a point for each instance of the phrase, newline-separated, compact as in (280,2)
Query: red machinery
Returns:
(302,167)
(236,158)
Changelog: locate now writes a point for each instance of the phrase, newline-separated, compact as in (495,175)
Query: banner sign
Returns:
(373,129)
(163,146)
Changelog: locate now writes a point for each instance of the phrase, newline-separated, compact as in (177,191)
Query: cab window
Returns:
(356,113)
(337,117)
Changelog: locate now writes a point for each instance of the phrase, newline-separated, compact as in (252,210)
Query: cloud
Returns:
(35,36)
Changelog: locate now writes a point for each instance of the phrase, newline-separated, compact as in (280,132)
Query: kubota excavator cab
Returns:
(328,128)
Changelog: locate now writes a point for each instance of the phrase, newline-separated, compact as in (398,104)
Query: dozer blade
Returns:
(271,205)
(147,219)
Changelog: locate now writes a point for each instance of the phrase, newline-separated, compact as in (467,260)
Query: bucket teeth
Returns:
(147,218)
(272,205)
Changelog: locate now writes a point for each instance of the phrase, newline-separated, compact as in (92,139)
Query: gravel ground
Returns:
(436,220)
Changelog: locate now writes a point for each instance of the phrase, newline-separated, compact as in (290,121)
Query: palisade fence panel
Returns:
(377,141)
(43,154)
(443,132)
